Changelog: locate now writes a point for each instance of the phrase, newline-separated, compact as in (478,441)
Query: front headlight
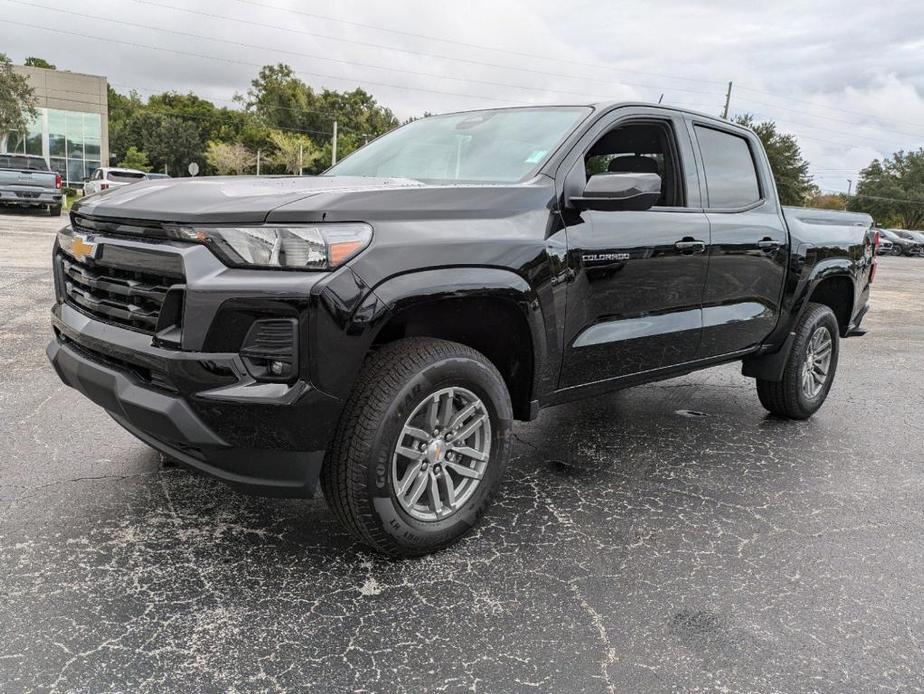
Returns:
(292,247)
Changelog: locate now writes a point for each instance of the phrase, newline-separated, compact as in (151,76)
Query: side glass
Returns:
(74,170)
(34,140)
(59,166)
(74,131)
(91,125)
(56,133)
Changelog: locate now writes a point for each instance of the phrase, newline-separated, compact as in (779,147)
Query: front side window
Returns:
(731,178)
(500,146)
(640,147)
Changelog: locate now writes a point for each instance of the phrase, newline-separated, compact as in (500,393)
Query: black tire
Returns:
(54,210)
(787,398)
(357,475)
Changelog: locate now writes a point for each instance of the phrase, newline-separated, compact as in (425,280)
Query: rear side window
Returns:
(23,163)
(731,179)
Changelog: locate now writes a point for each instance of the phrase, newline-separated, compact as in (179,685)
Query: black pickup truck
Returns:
(379,327)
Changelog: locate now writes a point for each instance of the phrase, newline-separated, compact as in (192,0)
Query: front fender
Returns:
(336,369)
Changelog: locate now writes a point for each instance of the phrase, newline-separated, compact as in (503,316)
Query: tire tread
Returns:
(345,474)
(782,398)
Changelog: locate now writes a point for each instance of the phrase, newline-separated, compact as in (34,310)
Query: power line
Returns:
(332,115)
(421,54)
(853,136)
(466,44)
(875,197)
(424,74)
(218,115)
(505,85)
(828,118)
(247,63)
(829,108)
(539,56)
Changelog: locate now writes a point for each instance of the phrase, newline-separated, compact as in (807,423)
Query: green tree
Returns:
(168,141)
(135,159)
(892,190)
(790,170)
(294,152)
(17,99)
(229,159)
(828,201)
(175,143)
(122,109)
(32,61)
(281,100)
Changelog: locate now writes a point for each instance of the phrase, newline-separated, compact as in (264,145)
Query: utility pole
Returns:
(258,162)
(301,149)
(727,102)
(333,147)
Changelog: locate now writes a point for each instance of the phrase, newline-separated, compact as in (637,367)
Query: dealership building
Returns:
(71,129)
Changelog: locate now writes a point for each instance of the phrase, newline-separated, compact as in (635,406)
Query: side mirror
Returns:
(619,191)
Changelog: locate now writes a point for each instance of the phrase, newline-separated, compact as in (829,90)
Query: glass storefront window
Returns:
(74,142)
(58,165)
(34,143)
(75,172)
(56,130)
(91,125)
(74,125)
(29,142)
(14,143)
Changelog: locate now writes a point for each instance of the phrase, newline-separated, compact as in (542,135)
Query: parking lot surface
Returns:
(671,537)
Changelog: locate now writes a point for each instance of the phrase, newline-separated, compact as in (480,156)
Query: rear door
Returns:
(749,243)
(635,301)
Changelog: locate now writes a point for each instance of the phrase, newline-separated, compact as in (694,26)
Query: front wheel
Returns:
(420,448)
(809,370)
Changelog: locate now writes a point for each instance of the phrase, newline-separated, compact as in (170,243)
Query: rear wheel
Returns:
(809,370)
(54,210)
(420,448)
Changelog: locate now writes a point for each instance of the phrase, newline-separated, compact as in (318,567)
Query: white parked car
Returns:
(107,177)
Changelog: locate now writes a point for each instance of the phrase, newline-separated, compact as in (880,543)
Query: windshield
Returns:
(501,146)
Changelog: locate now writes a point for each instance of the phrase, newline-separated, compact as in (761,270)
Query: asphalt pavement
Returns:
(671,537)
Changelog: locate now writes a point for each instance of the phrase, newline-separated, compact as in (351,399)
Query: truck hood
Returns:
(224,199)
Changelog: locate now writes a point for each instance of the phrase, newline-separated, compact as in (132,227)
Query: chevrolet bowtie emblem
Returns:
(83,247)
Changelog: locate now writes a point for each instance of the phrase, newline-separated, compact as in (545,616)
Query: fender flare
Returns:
(770,366)
(390,297)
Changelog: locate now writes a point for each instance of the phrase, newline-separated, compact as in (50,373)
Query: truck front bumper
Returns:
(266,439)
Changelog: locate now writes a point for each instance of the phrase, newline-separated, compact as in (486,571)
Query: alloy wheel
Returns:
(442,454)
(817,362)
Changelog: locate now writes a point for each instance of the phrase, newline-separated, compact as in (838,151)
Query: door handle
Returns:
(768,244)
(689,246)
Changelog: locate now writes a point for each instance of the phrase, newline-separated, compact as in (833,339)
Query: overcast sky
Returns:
(846,77)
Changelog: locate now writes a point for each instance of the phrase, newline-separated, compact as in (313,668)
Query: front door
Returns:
(635,302)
